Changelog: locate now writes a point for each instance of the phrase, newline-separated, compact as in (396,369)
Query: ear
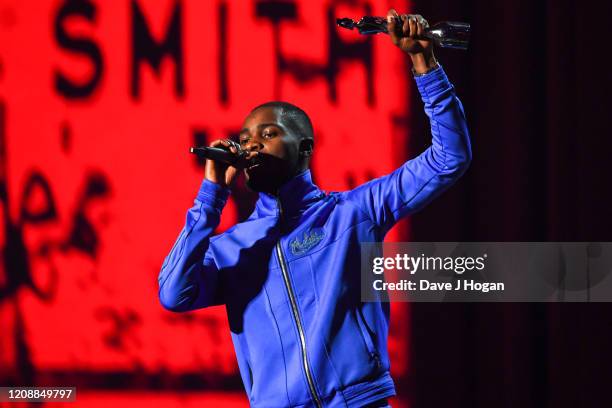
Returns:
(306,147)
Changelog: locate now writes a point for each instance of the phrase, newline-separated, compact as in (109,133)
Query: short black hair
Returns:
(293,117)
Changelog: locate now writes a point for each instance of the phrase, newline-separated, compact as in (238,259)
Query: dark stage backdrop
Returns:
(536,87)
(99,103)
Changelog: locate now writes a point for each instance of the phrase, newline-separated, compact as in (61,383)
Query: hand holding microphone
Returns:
(224,159)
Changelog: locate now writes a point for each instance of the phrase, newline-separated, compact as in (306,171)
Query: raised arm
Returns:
(189,278)
(420,180)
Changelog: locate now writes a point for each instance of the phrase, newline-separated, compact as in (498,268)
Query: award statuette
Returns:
(446,34)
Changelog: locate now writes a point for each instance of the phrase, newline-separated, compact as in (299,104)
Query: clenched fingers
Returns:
(230,144)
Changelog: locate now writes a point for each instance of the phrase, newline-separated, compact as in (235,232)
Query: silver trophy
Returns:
(446,34)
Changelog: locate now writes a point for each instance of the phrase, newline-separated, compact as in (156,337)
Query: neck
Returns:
(277,188)
(294,195)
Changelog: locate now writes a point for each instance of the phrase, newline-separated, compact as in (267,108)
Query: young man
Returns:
(289,275)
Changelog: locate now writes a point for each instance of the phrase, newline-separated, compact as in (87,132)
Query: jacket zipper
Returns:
(296,316)
(365,334)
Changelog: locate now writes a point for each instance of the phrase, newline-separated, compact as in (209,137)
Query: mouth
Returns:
(266,166)
(254,164)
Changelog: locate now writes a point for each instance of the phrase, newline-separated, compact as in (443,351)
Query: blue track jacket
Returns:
(289,276)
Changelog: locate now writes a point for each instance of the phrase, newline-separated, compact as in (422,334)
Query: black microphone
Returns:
(218,154)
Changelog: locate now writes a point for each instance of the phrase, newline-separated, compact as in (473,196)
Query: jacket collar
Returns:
(295,196)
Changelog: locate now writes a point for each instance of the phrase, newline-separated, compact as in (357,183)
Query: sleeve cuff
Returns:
(432,82)
(213,194)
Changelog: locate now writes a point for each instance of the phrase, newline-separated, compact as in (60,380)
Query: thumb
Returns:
(391,26)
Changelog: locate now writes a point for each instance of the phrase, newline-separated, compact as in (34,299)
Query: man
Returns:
(289,274)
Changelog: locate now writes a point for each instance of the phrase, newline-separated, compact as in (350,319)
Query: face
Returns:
(278,147)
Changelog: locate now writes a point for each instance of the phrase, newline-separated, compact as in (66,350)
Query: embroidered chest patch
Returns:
(308,240)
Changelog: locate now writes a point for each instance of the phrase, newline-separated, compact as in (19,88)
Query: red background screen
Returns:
(99,104)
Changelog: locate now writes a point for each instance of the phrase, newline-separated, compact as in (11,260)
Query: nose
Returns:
(254,145)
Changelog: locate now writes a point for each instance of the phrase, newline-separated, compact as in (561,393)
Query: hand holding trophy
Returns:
(446,34)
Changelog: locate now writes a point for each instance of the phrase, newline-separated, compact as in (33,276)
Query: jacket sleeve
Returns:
(420,180)
(189,278)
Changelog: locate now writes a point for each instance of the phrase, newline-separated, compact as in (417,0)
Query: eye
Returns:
(243,141)
(268,134)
